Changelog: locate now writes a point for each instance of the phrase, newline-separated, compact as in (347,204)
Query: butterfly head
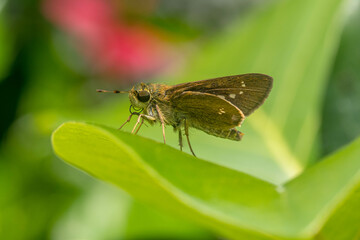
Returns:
(140,95)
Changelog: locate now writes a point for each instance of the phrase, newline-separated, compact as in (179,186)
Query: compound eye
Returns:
(143,96)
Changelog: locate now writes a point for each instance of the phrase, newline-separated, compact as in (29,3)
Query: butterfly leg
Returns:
(141,121)
(128,120)
(161,116)
(180,139)
(187,136)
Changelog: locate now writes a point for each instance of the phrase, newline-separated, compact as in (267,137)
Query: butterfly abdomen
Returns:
(231,134)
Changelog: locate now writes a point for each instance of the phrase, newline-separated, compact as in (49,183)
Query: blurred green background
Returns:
(55,53)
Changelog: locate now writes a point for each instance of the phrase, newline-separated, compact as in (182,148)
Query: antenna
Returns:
(111,91)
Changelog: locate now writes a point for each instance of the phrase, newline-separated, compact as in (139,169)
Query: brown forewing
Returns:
(207,110)
(246,91)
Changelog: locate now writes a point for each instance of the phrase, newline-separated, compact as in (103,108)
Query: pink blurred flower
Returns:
(112,46)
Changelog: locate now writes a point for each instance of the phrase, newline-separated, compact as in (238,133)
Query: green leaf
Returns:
(145,222)
(233,203)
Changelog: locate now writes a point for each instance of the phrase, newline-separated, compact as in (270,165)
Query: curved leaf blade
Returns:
(141,167)
(235,204)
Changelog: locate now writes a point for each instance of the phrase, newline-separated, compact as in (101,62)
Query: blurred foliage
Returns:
(46,79)
(6,47)
(341,112)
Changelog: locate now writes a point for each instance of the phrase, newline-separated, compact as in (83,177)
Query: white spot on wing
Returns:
(241,92)
(232,95)
(221,96)
(221,111)
(243,84)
